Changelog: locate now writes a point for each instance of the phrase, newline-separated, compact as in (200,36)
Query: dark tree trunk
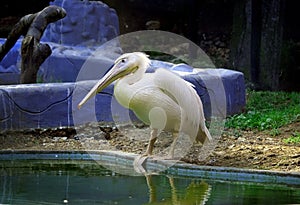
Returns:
(257,41)
(271,43)
(241,37)
(33,53)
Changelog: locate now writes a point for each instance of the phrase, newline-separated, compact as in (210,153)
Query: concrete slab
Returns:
(54,104)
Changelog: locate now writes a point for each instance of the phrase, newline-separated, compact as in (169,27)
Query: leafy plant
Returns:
(294,139)
(266,110)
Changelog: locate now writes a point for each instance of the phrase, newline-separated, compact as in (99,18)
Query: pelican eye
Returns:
(123,60)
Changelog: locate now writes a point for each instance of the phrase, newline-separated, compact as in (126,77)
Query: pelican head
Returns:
(126,64)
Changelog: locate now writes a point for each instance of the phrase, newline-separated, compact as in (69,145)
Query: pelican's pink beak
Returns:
(119,69)
(106,80)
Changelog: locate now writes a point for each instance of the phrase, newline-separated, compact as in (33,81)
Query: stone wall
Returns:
(87,23)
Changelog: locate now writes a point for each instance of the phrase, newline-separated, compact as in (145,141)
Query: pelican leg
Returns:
(151,142)
(173,191)
(172,147)
(152,189)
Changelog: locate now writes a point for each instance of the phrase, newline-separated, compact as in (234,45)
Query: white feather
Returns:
(192,116)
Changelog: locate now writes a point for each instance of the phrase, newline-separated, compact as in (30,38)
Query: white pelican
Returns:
(162,100)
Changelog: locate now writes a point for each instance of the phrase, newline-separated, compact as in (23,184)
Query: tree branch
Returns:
(32,26)
(33,52)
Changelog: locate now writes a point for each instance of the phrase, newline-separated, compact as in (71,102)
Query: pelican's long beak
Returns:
(112,75)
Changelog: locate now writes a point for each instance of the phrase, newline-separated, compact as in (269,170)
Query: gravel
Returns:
(242,149)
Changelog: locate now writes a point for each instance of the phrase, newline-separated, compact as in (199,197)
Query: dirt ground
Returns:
(242,149)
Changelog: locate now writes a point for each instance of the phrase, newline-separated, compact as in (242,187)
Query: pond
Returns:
(87,182)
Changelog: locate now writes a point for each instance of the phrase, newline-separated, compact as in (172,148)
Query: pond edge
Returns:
(169,167)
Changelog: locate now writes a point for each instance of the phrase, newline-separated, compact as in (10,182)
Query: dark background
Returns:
(217,26)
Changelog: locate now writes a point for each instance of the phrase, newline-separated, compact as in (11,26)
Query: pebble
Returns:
(56,139)
(231,146)
(241,139)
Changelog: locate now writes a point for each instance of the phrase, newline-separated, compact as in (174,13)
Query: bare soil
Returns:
(236,148)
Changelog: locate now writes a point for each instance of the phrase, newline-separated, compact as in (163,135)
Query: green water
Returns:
(40,182)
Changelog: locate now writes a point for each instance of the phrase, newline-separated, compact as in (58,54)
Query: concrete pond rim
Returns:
(121,160)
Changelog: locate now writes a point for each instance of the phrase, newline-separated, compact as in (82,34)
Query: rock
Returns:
(241,139)
(57,139)
(78,27)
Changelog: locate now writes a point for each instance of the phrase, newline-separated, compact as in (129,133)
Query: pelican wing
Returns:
(192,116)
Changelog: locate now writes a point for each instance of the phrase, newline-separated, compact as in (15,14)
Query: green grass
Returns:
(293,139)
(266,110)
